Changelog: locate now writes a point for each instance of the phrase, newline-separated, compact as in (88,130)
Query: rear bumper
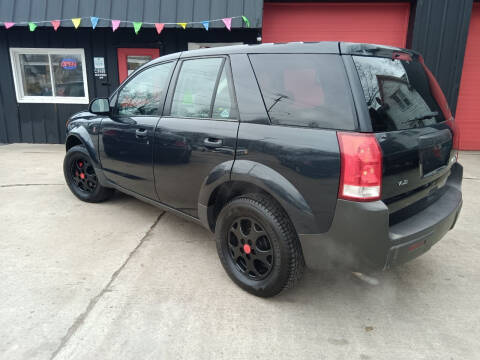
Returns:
(360,234)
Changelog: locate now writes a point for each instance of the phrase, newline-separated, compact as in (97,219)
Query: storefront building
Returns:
(47,74)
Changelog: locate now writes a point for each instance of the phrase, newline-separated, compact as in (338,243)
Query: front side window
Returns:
(195,88)
(50,75)
(308,90)
(142,95)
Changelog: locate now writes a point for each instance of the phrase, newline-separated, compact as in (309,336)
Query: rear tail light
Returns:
(361,171)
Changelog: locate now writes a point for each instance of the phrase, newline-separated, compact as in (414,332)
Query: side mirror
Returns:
(100,106)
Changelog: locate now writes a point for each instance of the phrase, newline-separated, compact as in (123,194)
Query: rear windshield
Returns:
(398,93)
(308,90)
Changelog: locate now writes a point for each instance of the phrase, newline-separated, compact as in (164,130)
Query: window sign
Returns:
(69,64)
(99,67)
(49,75)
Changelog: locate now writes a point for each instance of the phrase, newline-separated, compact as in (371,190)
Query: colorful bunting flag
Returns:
(228,23)
(76,22)
(55,24)
(94,21)
(159,27)
(136,26)
(115,24)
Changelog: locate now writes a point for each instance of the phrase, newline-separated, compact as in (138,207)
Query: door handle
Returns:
(212,142)
(141,133)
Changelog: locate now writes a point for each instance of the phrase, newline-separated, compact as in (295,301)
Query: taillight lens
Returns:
(361,171)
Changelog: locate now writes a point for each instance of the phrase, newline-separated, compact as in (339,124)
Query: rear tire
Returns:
(258,246)
(81,178)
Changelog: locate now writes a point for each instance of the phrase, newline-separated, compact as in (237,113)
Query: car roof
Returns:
(323,47)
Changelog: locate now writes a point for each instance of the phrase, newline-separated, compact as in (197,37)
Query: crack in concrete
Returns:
(471,178)
(81,318)
(15,185)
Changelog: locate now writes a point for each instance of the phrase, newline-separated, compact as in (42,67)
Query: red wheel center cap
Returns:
(247,249)
(82,176)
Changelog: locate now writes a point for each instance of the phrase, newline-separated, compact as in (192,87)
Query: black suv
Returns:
(287,152)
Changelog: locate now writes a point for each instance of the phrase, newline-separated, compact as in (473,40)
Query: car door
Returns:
(126,139)
(198,133)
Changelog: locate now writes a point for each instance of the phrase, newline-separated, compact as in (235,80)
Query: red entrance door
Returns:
(130,59)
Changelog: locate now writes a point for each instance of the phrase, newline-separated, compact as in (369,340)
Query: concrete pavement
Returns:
(122,280)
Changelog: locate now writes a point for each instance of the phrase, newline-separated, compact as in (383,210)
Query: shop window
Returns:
(49,75)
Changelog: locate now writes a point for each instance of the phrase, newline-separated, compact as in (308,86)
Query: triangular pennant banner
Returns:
(205,24)
(8,25)
(246,21)
(115,24)
(32,26)
(183,25)
(137,26)
(76,22)
(94,21)
(55,24)
(159,27)
(228,23)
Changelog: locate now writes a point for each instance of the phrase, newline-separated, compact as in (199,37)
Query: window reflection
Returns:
(36,75)
(142,94)
(397,93)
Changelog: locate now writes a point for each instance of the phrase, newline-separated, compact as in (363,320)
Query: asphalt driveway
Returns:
(123,280)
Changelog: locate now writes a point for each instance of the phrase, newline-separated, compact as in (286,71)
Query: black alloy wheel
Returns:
(250,248)
(81,178)
(83,174)
(258,246)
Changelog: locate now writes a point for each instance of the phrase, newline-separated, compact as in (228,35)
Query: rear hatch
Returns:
(413,125)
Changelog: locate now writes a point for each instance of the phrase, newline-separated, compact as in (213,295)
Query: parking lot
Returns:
(122,279)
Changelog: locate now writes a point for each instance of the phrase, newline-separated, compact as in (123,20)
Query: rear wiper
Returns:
(422,117)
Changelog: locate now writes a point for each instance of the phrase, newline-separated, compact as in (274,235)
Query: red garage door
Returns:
(468,106)
(377,23)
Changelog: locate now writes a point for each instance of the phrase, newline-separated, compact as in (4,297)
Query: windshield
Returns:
(398,93)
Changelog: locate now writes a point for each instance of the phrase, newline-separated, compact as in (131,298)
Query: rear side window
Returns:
(195,87)
(397,93)
(308,90)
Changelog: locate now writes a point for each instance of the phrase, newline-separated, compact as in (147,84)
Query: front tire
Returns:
(258,246)
(81,178)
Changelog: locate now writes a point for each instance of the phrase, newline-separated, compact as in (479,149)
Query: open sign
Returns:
(69,64)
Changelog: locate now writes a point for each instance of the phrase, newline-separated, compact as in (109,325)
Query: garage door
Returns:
(468,106)
(378,23)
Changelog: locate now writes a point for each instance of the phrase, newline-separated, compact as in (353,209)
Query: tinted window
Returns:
(142,94)
(397,93)
(305,90)
(195,86)
(224,106)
